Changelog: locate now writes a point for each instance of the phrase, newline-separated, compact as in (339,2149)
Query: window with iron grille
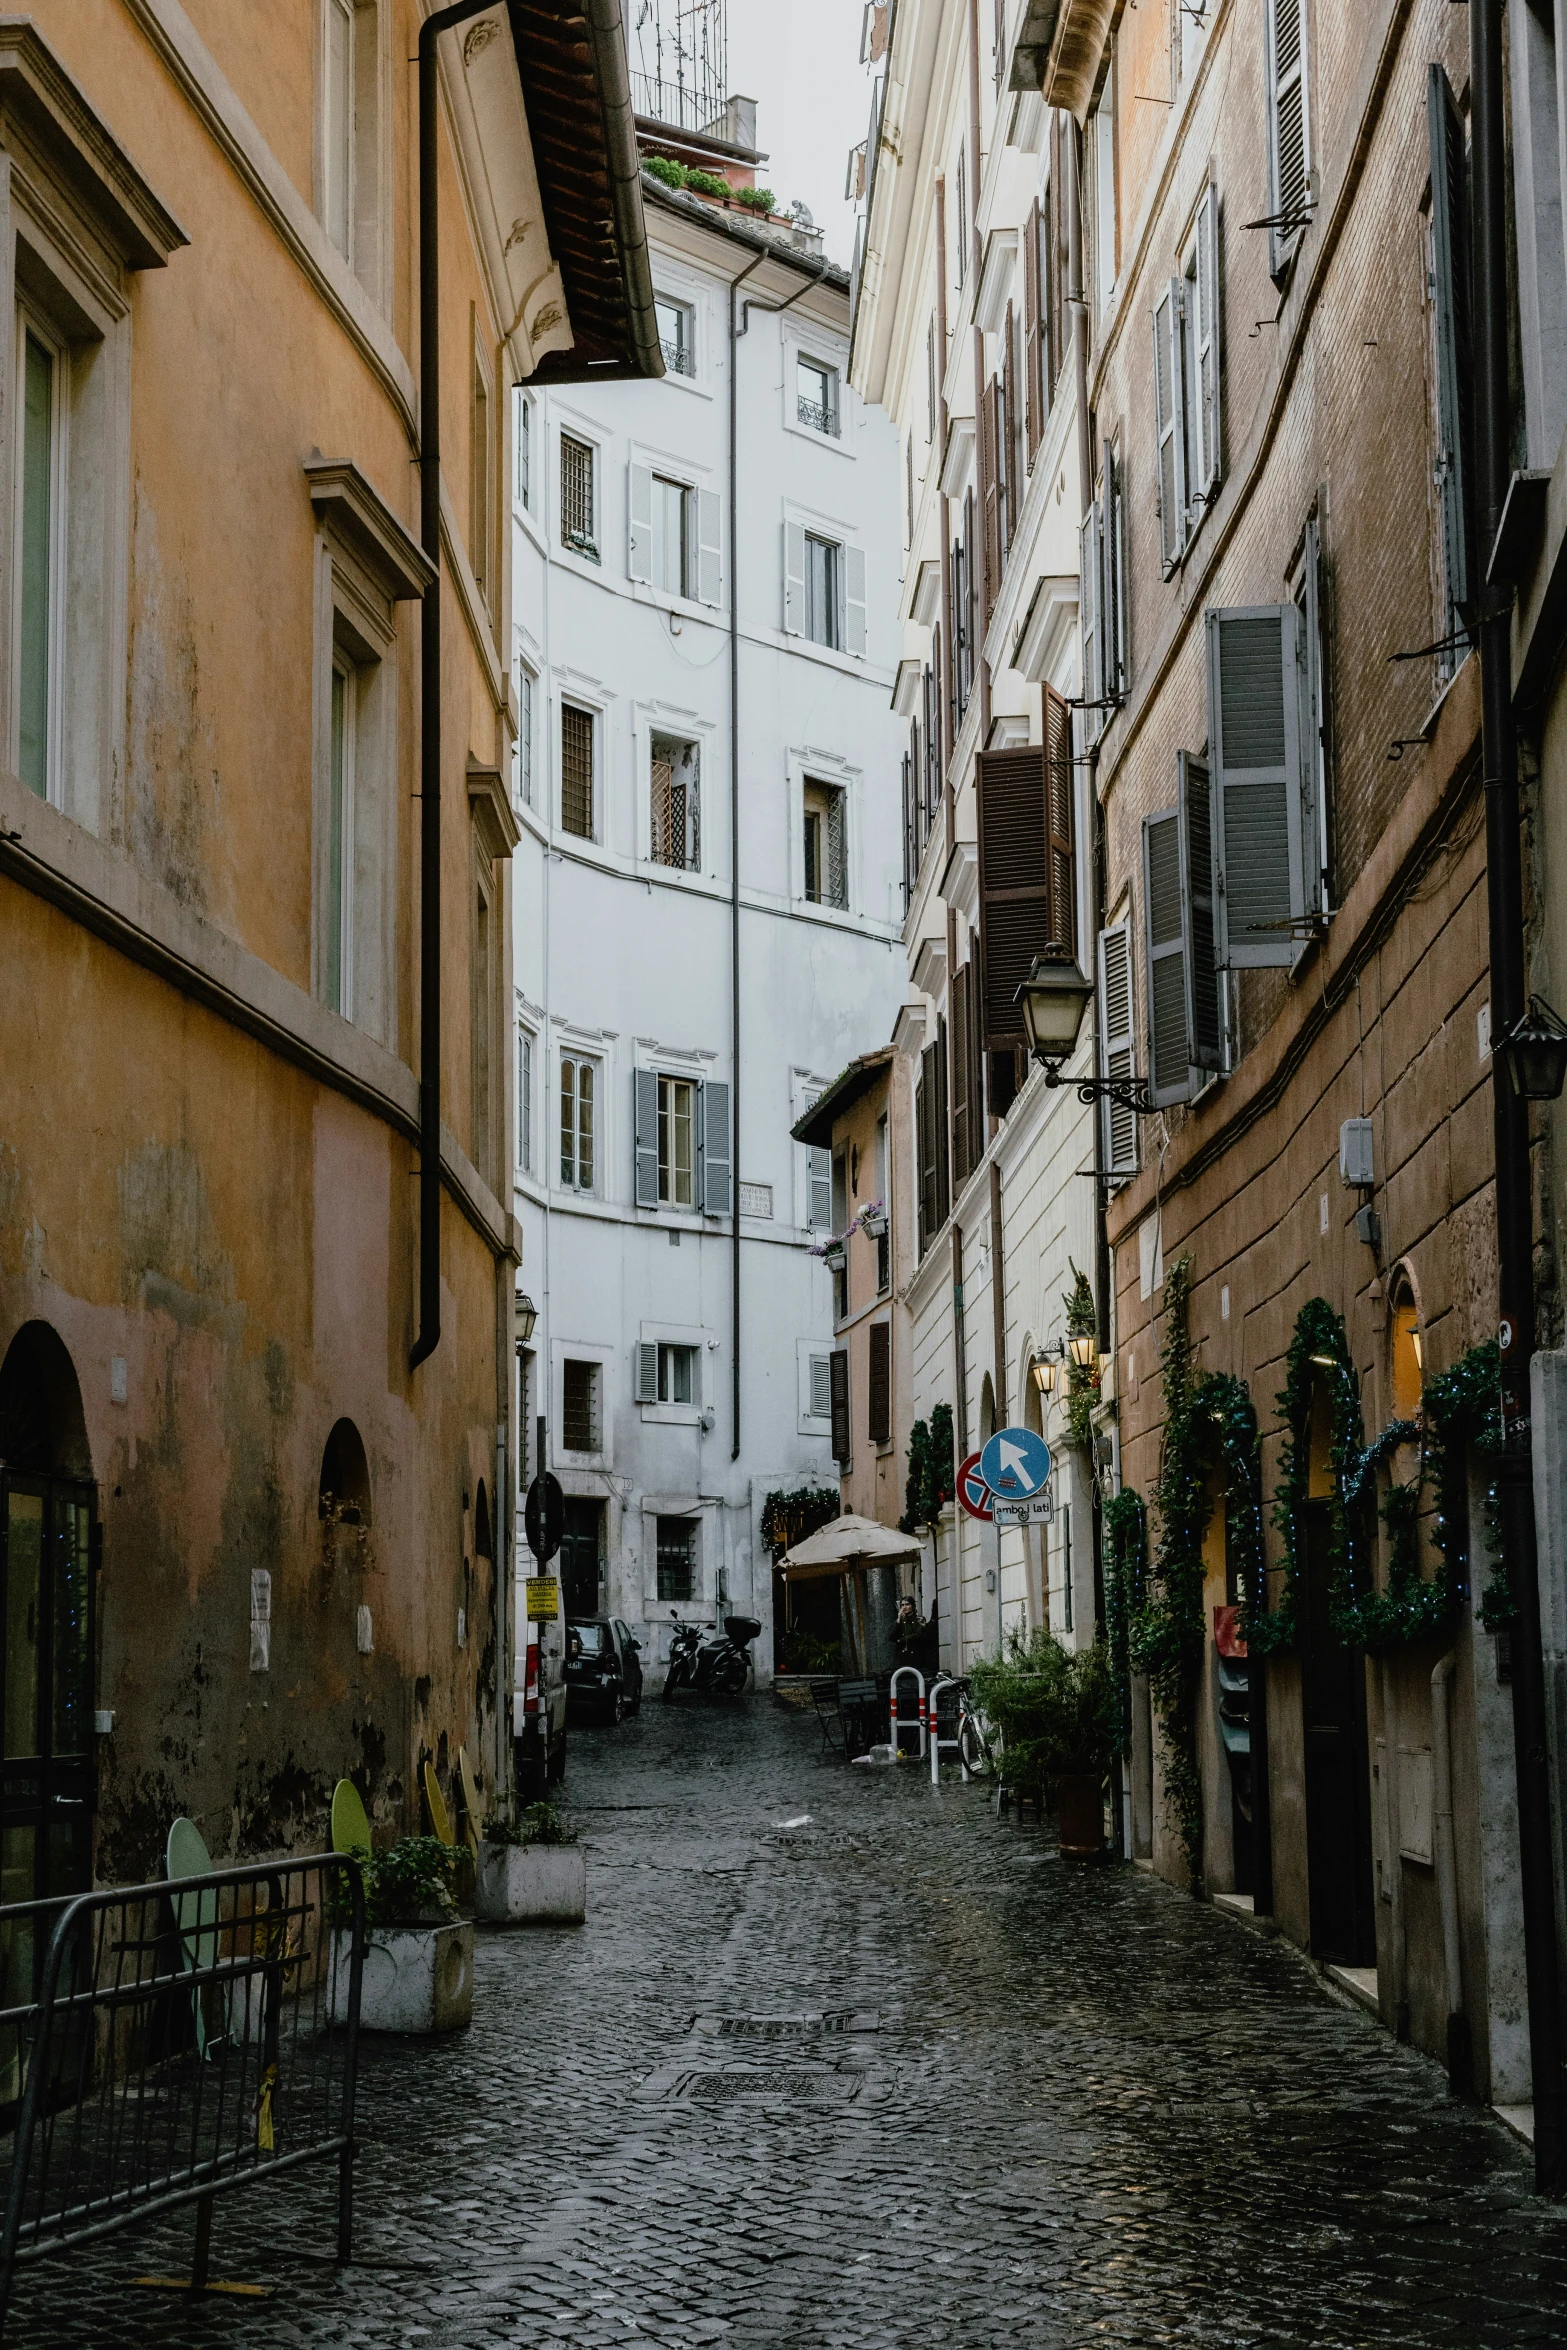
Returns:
(826,859)
(676,1545)
(577,518)
(579,1406)
(576,771)
(524,450)
(675,831)
(816,396)
(676,335)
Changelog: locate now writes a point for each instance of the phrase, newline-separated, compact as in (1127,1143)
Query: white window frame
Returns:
(810,765)
(594,710)
(562,1351)
(524,452)
(572,428)
(525,748)
(707,1547)
(693,745)
(568,1050)
(1102,192)
(527,1087)
(688,311)
(356,636)
(668,1171)
(700,1342)
(801,524)
(819,349)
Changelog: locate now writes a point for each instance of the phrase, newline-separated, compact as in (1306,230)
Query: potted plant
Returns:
(532,1871)
(1057,1713)
(418,1962)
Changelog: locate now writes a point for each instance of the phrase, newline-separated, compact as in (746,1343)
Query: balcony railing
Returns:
(816,417)
(677,358)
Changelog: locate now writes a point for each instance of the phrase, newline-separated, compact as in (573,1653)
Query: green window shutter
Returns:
(1117,1047)
(1169,408)
(1257,788)
(1204,1008)
(1454,467)
(646,1107)
(1164,936)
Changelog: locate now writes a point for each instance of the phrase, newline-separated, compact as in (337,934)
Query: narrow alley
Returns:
(836,2061)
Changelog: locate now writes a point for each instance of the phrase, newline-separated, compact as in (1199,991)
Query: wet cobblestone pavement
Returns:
(1049,2106)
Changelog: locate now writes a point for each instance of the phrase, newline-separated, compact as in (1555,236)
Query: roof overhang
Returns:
(845,1090)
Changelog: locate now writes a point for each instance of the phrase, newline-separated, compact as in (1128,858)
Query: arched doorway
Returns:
(48,1544)
(1333,1724)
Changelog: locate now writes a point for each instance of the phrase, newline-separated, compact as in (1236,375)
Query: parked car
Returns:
(539,1708)
(603,1667)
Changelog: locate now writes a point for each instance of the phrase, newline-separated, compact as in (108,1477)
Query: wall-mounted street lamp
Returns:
(1084,1350)
(524,1316)
(1534,1052)
(1054,998)
(1046,1367)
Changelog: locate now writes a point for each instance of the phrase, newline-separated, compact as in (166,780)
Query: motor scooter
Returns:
(719,1661)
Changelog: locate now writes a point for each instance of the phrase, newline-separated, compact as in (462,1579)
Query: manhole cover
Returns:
(717,2088)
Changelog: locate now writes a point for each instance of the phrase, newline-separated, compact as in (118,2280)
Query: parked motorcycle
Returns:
(718,1661)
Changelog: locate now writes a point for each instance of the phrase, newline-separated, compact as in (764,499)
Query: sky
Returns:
(801,63)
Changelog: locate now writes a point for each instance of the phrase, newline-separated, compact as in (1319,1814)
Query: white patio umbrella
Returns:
(847,1546)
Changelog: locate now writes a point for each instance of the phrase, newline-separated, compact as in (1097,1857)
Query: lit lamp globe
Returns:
(1054,998)
(1084,1350)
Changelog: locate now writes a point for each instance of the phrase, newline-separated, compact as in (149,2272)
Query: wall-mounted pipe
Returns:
(1460,2069)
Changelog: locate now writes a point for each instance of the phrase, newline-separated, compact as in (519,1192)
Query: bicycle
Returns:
(978,1741)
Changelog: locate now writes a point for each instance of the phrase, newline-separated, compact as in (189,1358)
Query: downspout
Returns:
(429,462)
(739,324)
(1460,2071)
(1514,1200)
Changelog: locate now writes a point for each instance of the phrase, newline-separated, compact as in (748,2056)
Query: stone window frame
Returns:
(369,253)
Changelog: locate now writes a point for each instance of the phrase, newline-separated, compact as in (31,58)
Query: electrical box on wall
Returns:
(1356,1164)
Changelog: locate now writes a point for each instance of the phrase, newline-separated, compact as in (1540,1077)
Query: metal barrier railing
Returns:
(899,1722)
(182,2038)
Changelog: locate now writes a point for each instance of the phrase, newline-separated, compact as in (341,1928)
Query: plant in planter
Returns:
(532,1872)
(418,1962)
(664,167)
(1058,1712)
(708,183)
(755,199)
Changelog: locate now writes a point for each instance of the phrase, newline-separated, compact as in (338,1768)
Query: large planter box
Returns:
(1080,1812)
(532,1884)
(416,1978)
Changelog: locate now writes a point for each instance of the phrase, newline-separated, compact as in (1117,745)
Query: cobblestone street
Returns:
(840,2061)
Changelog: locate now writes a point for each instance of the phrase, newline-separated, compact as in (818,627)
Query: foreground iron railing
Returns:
(182,2038)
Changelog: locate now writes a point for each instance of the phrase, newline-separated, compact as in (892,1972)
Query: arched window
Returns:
(1406,1350)
(345,1478)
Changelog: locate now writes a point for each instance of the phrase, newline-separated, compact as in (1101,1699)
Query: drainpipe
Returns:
(1514,1200)
(739,324)
(1460,2071)
(430,683)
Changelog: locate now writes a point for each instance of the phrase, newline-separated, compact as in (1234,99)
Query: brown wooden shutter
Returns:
(1055,254)
(961,1137)
(1008,433)
(1014,885)
(976,1060)
(1033,336)
(841,1452)
(990,503)
(939,1132)
(1058,819)
(879,1395)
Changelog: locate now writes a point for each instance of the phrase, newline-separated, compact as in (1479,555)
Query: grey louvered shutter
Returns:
(710,559)
(820,1211)
(646,1373)
(1289,140)
(646,1088)
(1169,408)
(639,553)
(854,602)
(840,1406)
(1313,726)
(943,1159)
(1112,573)
(794,578)
(712,1101)
(1117,1046)
(1164,935)
(1204,1013)
(1060,777)
(1454,466)
(1033,334)
(1092,683)
(925,1156)
(1255,760)
(1205,333)
(821,1387)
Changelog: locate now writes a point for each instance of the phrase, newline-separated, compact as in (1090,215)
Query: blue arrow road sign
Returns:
(1015,1464)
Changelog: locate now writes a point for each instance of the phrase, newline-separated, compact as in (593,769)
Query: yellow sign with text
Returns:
(542,1594)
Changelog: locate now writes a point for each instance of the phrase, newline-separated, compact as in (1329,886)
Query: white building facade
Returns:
(707,910)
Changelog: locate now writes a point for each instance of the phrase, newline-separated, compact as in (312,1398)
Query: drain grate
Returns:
(787,2027)
(723,2088)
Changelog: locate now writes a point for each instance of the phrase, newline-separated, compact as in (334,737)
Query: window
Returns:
(524,483)
(676,1557)
(579,1402)
(1185,1024)
(576,770)
(676,1142)
(820,1395)
(824,590)
(1099,142)
(578,520)
(1289,132)
(677,1375)
(672,503)
(525,1101)
(1117,1048)
(826,860)
(1186,386)
(930,1137)
(37,569)
(484,1024)
(578,1092)
(349,145)
(816,396)
(1451,370)
(960,214)
(878,1402)
(819,1184)
(884,1197)
(339,927)
(525,735)
(676,335)
(1305,592)
(1266,878)
(1102,599)
(675,829)
(337,161)
(481,518)
(842,1447)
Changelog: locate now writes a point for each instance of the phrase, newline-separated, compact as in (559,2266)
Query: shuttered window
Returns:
(989,501)
(1113,571)
(821,1387)
(924,1157)
(1060,837)
(1169,407)
(1202,332)
(578,1099)
(1007,436)
(576,771)
(1117,1047)
(1034,395)
(1258,794)
(962,1005)
(1289,135)
(1454,462)
(1025,869)
(820,1184)
(1054,233)
(1169,1061)
(1314,725)
(841,1452)
(1088,547)
(715,1167)
(878,1399)
(645,1368)
(1204,1007)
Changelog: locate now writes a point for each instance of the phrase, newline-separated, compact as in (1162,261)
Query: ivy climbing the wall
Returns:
(1125,1553)
(932,1479)
(1082,1379)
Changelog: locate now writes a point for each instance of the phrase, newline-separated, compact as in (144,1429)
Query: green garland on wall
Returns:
(932,1478)
(1125,1550)
(1461,1407)
(1082,1379)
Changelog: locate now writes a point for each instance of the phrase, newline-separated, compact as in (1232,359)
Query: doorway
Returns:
(581,1554)
(1338,1793)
